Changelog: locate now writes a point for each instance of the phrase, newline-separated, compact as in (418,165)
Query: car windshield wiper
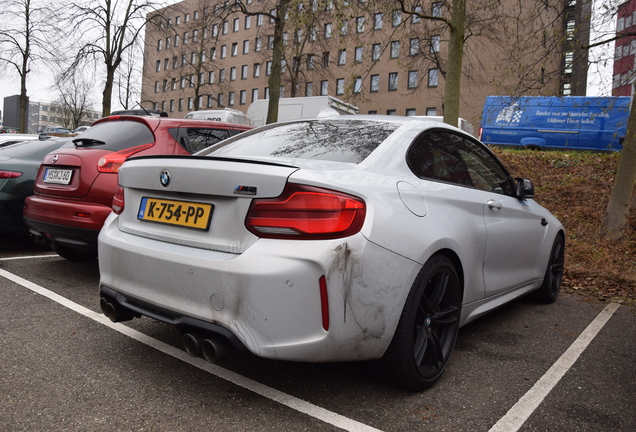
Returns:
(87,142)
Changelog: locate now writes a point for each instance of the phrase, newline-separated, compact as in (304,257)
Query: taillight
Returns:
(306,213)
(118,200)
(113,161)
(9,174)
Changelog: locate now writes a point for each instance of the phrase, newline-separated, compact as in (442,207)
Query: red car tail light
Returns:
(113,161)
(306,213)
(9,174)
(118,200)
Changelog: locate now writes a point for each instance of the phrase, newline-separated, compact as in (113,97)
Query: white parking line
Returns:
(28,257)
(258,388)
(519,413)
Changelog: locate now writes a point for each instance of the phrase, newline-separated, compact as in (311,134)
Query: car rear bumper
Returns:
(75,224)
(268,297)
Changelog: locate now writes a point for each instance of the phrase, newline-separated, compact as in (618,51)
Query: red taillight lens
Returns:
(306,212)
(113,161)
(9,174)
(118,200)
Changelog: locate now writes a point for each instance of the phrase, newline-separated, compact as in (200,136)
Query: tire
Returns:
(427,330)
(549,290)
(72,254)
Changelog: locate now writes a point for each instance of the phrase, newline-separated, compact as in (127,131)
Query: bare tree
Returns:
(74,101)
(106,30)
(24,25)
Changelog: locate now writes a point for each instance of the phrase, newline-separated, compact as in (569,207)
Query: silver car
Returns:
(332,239)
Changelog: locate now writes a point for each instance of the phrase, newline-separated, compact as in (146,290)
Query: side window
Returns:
(485,171)
(199,139)
(434,156)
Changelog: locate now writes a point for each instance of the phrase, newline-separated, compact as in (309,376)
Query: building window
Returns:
(325,59)
(173,85)
(391,112)
(210,99)
(254,94)
(235,26)
(230,99)
(165,85)
(244,72)
(376,50)
(410,112)
(570,28)
(268,68)
(436,9)
(158,66)
(166,64)
(435,41)
(344,28)
(566,90)
(266,91)
(310,61)
(159,44)
(324,88)
(431,111)
(309,89)
(186,17)
(395,49)
(393,81)
(342,57)
(213,54)
(340,86)
(177,20)
(270,42)
(414,46)
(233,73)
(193,58)
(412,82)
(415,18)
(215,30)
(285,37)
(195,35)
(223,51)
(176,40)
(172,105)
(191,80)
(234,49)
(181,104)
(328,31)
(357,85)
(568,60)
(433,77)
(196,15)
(225,27)
(203,54)
(358,55)
(375,83)
(163,105)
(360,24)
(222,76)
(396,18)
(299,36)
(156,86)
(211,77)
(219,100)
(242,97)
(201,79)
(185,38)
(167,44)
(377,21)
(190,103)
(257,70)
(312,34)
(248,22)
(259,20)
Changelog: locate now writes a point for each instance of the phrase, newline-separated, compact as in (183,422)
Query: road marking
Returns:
(28,257)
(256,387)
(519,413)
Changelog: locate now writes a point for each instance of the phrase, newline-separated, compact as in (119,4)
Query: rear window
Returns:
(333,140)
(36,148)
(196,139)
(114,136)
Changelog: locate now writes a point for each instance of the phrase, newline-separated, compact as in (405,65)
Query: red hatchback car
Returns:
(75,184)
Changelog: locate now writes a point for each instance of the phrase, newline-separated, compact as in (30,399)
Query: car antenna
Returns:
(147,113)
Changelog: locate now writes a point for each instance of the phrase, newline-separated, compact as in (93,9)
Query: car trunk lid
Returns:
(207,199)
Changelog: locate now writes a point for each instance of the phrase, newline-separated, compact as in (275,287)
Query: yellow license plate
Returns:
(181,213)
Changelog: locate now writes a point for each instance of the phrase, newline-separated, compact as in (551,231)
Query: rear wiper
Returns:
(87,142)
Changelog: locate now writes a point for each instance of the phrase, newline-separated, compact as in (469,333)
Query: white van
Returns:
(227,115)
(297,108)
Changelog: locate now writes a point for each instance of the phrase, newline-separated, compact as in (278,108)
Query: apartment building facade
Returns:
(623,76)
(202,54)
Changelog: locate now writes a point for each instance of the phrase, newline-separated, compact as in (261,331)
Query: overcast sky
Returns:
(40,80)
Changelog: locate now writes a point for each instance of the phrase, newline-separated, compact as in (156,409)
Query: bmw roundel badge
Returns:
(165,178)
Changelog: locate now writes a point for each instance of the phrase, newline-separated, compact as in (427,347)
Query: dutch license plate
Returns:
(59,176)
(181,213)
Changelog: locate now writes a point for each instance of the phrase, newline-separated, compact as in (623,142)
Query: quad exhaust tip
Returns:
(211,348)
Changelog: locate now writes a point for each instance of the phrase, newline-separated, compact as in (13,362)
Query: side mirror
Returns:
(525,188)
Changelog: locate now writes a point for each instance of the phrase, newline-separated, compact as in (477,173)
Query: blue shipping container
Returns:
(572,122)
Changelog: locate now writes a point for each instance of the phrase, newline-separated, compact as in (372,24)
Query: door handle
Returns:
(494,205)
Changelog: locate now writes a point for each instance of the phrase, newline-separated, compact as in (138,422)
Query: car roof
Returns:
(170,122)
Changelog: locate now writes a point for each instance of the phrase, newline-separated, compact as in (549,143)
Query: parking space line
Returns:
(239,380)
(28,257)
(521,411)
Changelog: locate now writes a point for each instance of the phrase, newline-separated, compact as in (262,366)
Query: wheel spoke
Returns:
(438,292)
(445,316)
(419,349)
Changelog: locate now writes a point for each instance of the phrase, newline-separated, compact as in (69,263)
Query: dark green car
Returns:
(19,165)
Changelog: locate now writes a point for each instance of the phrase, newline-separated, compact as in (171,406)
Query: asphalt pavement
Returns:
(569,366)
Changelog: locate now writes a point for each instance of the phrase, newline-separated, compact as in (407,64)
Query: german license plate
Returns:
(59,176)
(182,213)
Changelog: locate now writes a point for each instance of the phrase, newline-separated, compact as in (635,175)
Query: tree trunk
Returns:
(615,220)
(107,94)
(277,55)
(454,67)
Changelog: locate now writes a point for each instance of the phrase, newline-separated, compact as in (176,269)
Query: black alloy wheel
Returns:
(551,286)
(428,327)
